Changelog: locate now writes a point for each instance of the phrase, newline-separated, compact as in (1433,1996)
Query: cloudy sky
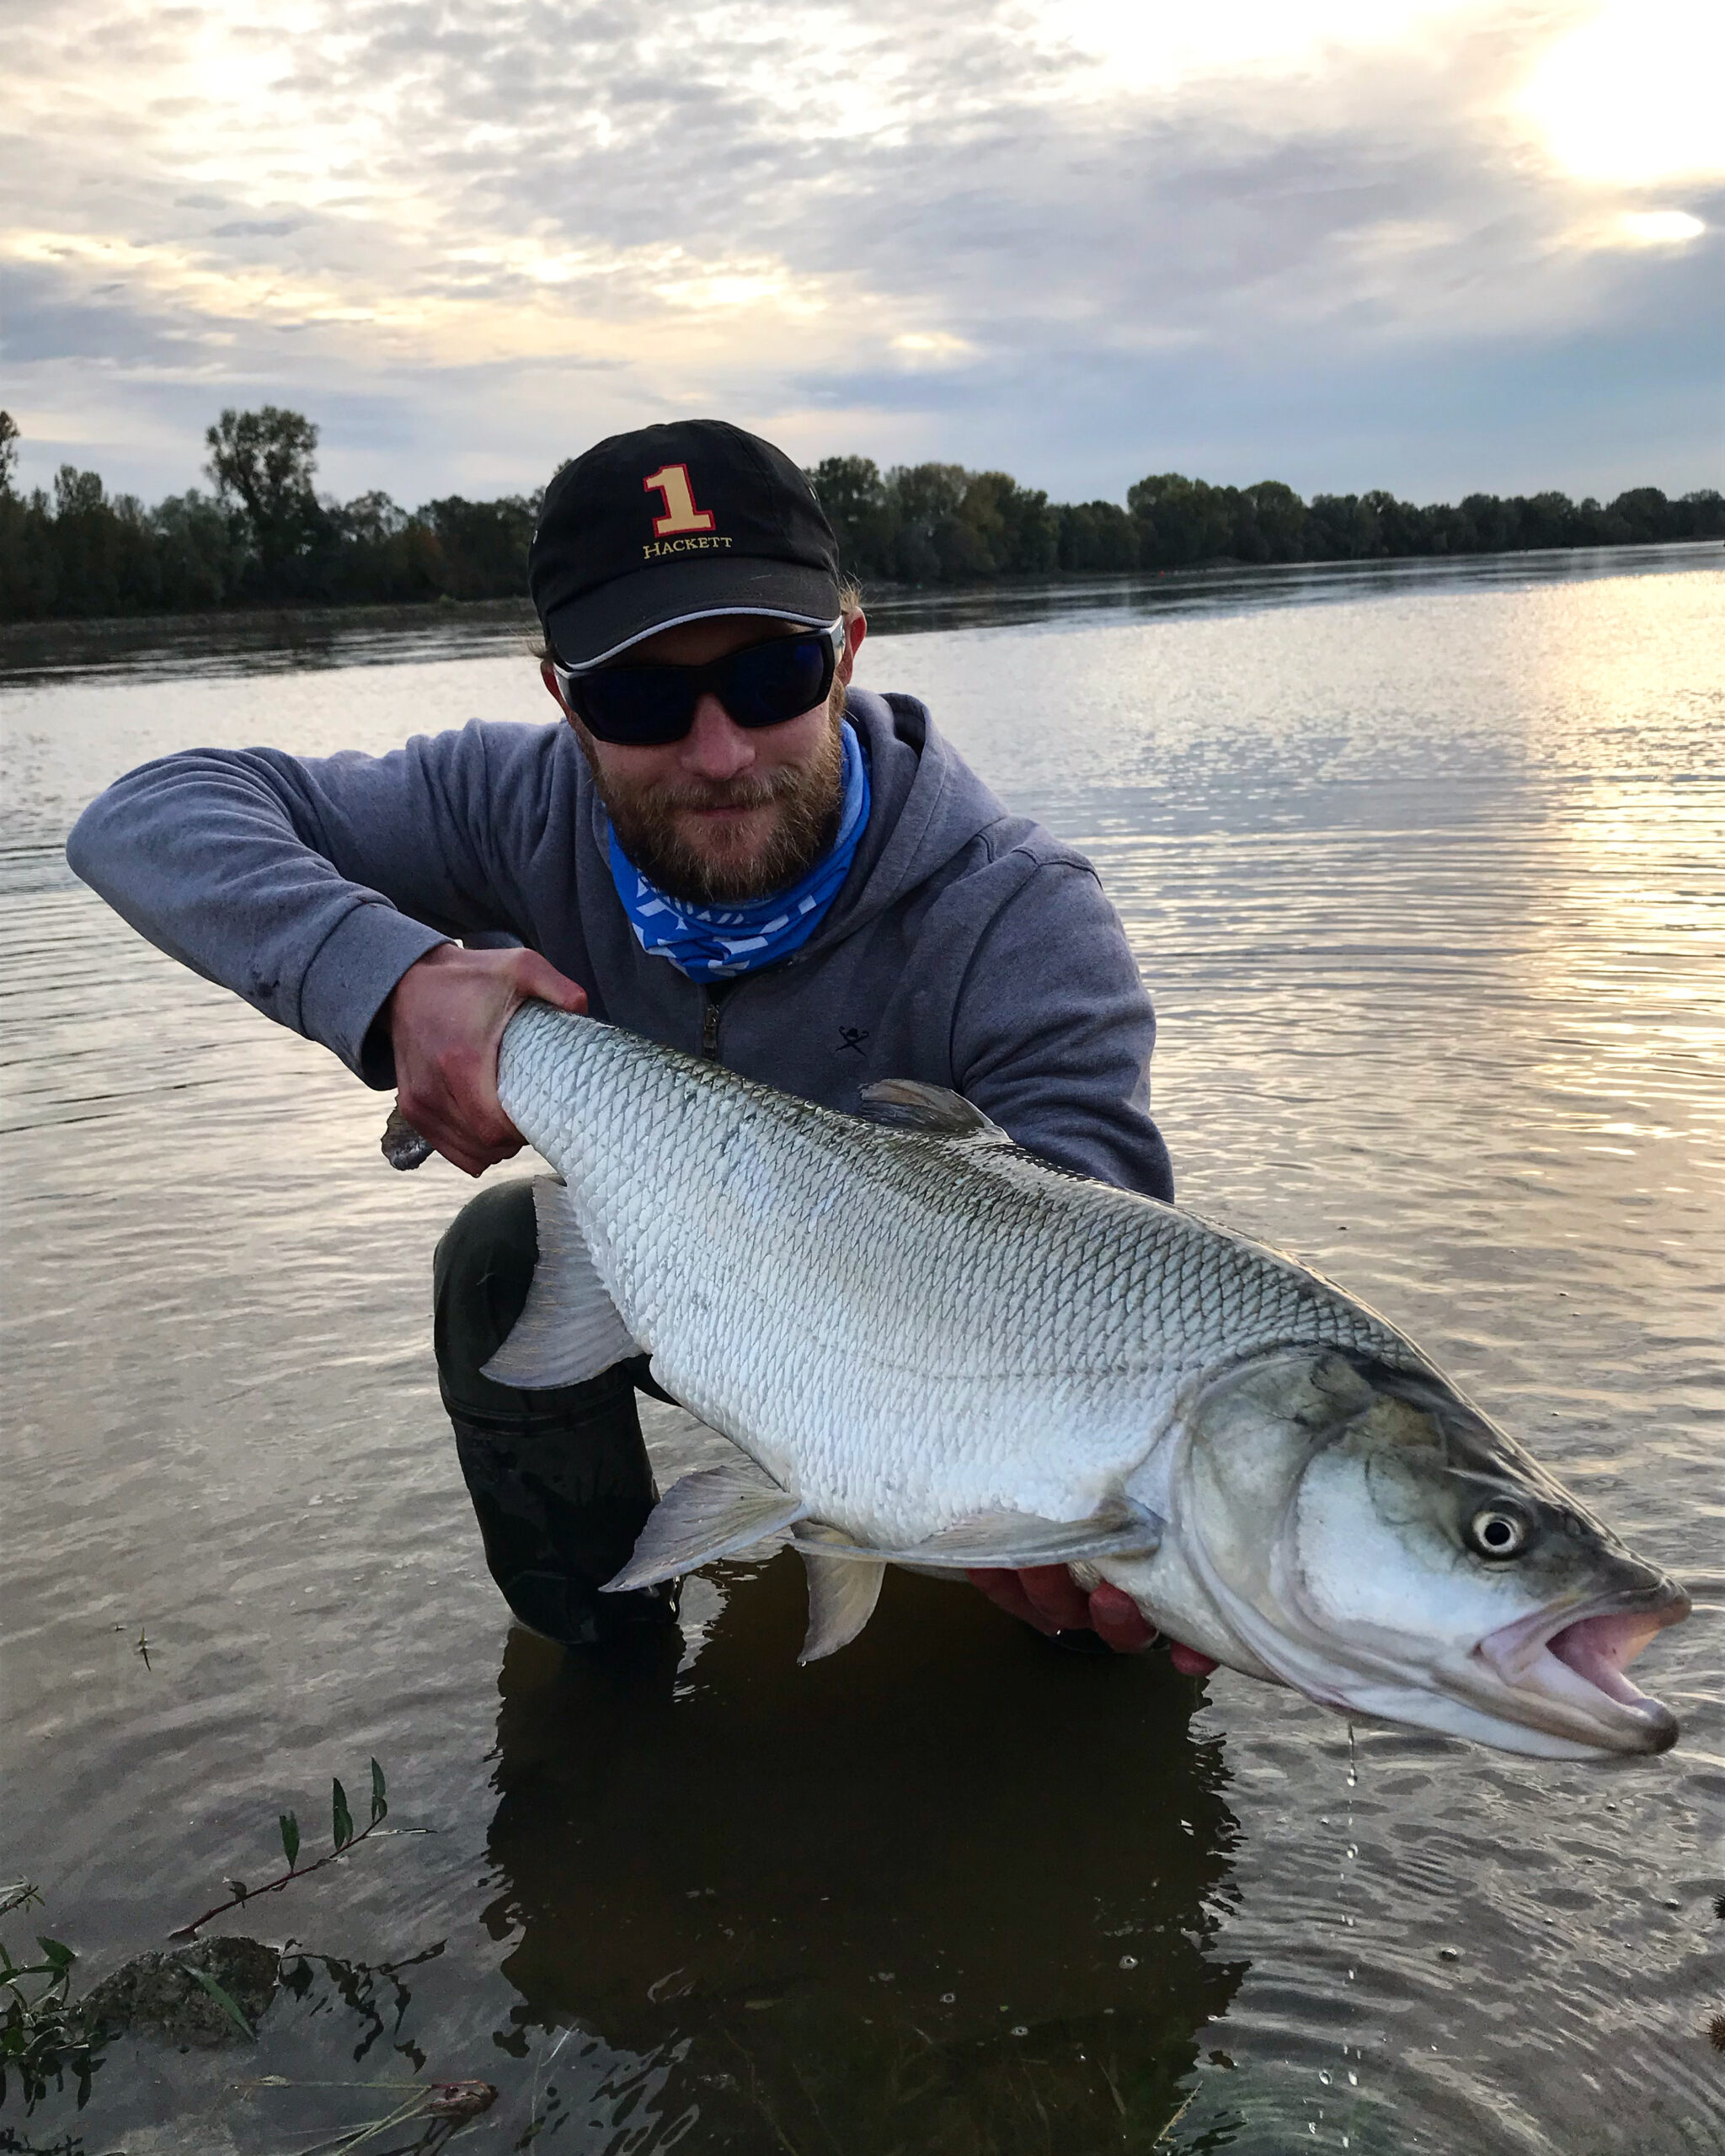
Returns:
(1429,244)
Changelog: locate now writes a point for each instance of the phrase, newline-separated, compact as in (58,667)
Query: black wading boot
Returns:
(559,1479)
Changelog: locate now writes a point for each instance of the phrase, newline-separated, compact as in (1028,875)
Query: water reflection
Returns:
(268,641)
(276,640)
(830,1906)
(368,1991)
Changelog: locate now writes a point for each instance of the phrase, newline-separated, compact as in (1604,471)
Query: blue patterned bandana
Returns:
(710,942)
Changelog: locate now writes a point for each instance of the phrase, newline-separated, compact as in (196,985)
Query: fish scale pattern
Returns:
(907,1327)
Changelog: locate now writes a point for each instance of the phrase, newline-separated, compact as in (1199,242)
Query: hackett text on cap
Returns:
(701,542)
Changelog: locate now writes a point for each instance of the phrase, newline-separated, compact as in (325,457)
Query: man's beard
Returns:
(809,799)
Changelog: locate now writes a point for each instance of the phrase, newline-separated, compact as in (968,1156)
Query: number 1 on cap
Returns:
(671,483)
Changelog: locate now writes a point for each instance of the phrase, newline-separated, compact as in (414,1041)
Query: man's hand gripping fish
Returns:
(937,1351)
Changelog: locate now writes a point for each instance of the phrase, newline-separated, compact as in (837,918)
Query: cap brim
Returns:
(587,631)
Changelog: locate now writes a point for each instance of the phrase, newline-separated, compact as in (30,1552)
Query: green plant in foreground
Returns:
(43,2036)
(346,1838)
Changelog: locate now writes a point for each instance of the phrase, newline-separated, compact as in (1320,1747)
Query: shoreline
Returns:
(277,637)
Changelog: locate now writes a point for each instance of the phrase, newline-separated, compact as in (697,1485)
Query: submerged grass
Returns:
(441,2108)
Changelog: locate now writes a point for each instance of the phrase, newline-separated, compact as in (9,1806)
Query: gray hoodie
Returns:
(966,947)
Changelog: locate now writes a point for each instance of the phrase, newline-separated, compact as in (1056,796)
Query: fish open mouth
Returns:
(1568,1665)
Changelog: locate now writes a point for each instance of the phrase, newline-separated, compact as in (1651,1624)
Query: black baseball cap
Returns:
(672,524)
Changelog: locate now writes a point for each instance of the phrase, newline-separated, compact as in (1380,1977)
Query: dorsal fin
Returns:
(910,1105)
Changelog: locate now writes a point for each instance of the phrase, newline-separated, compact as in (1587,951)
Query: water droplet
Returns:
(1353,2080)
(947,1997)
(1021,2030)
(1323,2075)
(1350,1976)
(1129,1961)
(1353,1848)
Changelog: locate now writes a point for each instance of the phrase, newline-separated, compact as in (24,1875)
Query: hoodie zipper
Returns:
(709,1032)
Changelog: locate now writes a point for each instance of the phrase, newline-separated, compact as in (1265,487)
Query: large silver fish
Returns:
(938,1351)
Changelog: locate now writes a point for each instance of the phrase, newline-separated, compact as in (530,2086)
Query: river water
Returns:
(1427,870)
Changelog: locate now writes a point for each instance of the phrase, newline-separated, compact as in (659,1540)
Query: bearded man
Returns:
(722,844)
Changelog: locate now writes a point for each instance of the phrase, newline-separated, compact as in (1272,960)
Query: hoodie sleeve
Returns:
(1054,1028)
(309,886)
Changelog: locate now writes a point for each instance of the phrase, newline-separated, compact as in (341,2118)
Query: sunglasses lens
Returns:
(770,683)
(639,706)
(648,706)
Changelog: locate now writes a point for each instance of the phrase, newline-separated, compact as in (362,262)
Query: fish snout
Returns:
(1565,1667)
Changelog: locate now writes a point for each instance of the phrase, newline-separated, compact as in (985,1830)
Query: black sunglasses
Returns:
(762,685)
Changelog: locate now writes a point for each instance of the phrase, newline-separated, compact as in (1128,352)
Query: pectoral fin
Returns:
(841,1599)
(569,1329)
(1008,1541)
(708,1514)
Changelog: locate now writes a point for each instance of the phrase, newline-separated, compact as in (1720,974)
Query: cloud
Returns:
(1027,233)
(258,228)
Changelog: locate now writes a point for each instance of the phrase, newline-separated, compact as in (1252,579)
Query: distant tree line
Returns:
(262,536)
(940,524)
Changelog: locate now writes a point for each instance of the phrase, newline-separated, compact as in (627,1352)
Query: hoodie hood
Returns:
(927,808)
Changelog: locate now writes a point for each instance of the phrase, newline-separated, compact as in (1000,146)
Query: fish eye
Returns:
(1495,1531)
